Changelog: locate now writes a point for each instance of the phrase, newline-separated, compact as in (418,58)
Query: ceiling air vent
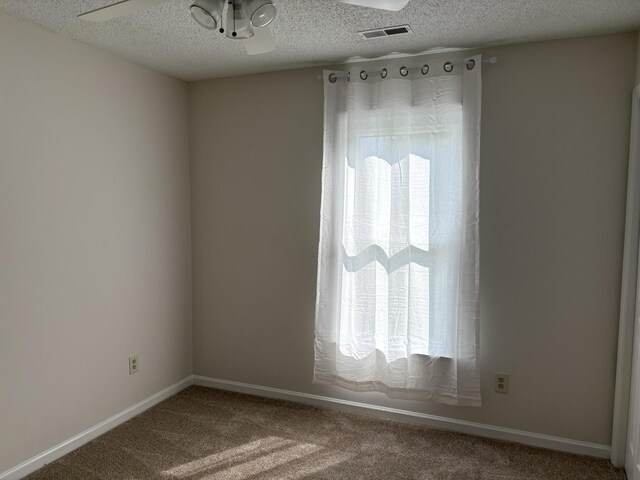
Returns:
(386,31)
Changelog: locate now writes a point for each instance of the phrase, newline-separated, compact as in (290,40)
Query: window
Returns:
(398,262)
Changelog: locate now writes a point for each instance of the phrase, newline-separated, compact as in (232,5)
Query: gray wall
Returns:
(94,237)
(555,137)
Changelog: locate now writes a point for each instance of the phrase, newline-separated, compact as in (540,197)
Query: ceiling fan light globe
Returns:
(208,13)
(263,15)
(203,17)
(238,22)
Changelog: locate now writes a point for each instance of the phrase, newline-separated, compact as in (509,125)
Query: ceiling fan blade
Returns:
(261,42)
(393,5)
(119,9)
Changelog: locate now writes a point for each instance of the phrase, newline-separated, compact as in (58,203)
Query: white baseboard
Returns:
(434,421)
(48,456)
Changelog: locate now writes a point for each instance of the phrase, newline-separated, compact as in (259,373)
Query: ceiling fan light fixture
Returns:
(207,13)
(238,24)
(261,12)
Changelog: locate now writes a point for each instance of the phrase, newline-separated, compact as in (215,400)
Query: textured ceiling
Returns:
(309,32)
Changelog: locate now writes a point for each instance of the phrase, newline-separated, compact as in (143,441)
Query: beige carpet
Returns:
(209,434)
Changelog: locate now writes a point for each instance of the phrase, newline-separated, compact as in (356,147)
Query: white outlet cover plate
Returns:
(133,364)
(501,384)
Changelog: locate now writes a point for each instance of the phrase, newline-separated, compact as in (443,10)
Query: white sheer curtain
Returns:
(397,301)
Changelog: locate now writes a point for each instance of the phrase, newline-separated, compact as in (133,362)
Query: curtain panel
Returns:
(397,306)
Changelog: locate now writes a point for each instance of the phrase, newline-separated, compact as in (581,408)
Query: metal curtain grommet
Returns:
(363,75)
(333,77)
(448,67)
(470,64)
(384,73)
(404,71)
(425,69)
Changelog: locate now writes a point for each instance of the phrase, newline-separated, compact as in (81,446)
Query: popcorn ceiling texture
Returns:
(312,32)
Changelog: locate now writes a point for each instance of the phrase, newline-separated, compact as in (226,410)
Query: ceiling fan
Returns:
(245,20)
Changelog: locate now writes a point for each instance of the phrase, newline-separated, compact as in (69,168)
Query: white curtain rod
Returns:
(404,71)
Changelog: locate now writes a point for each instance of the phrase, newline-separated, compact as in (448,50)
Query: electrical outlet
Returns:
(133,364)
(502,383)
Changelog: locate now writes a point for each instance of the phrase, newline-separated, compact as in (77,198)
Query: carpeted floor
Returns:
(213,435)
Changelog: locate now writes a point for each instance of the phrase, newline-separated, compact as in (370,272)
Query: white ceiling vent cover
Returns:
(385,32)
